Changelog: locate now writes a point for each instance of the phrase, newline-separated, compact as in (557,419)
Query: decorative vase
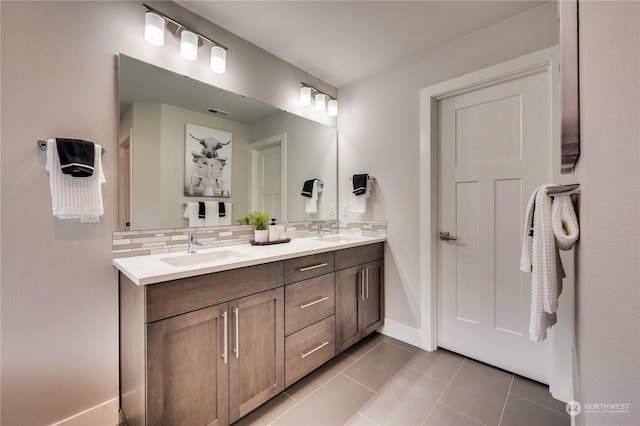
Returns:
(261,236)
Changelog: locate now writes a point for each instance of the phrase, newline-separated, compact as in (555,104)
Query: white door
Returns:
(494,149)
(269,181)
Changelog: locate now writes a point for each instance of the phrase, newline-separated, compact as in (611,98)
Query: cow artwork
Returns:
(207,162)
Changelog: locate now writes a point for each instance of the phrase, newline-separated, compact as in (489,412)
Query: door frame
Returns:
(279,139)
(562,336)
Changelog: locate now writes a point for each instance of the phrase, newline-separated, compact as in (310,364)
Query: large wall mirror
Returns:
(184,142)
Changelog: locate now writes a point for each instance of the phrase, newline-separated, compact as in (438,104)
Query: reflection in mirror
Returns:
(271,155)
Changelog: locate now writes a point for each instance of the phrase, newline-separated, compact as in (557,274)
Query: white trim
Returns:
(402,332)
(561,357)
(106,414)
(281,140)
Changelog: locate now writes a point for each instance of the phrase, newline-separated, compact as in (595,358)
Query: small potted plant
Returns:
(260,222)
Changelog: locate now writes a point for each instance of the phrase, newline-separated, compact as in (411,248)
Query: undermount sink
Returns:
(338,238)
(198,258)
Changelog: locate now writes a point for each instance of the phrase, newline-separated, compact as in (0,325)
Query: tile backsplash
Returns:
(157,241)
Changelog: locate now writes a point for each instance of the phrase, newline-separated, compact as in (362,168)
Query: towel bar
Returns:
(42,145)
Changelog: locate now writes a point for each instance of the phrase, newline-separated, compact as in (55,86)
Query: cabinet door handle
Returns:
(226,336)
(237,342)
(308,268)
(314,302)
(362,284)
(317,348)
(367,284)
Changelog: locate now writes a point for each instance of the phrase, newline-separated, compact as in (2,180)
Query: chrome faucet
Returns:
(192,243)
(321,231)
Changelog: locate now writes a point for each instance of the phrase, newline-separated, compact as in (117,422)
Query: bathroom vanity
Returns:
(208,338)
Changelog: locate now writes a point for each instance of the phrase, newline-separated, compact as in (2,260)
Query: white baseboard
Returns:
(105,414)
(405,333)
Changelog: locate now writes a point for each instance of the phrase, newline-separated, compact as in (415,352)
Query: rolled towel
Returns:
(564,222)
(76,156)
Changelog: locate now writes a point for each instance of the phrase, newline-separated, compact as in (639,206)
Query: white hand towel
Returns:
(311,203)
(75,197)
(564,222)
(211,217)
(358,203)
(191,214)
(540,257)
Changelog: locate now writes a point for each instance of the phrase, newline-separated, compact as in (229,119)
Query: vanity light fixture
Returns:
(154,28)
(320,99)
(305,95)
(188,45)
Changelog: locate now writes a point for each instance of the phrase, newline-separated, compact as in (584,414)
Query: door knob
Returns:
(444,236)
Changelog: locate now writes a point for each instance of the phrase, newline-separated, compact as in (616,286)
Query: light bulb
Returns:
(332,109)
(154,28)
(305,95)
(218,59)
(189,45)
(320,102)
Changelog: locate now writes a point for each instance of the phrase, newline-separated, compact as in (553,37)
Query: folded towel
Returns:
(311,203)
(211,217)
(307,188)
(540,257)
(192,214)
(564,222)
(360,184)
(202,214)
(72,197)
(226,219)
(221,210)
(358,203)
(76,156)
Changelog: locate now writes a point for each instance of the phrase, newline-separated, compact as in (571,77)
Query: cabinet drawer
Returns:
(309,301)
(308,349)
(189,294)
(358,255)
(301,268)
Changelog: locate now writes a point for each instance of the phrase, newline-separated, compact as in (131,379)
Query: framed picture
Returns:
(207,170)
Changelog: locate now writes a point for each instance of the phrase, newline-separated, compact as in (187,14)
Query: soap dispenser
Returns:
(273,231)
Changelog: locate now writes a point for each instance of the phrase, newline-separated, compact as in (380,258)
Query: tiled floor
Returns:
(382,381)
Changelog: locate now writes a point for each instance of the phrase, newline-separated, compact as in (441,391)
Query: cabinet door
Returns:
(349,286)
(256,364)
(373,301)
(187,378)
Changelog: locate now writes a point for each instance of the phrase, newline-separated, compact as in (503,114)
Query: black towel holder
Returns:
(42,145)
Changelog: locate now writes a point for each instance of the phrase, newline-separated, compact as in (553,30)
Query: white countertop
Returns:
(155,268)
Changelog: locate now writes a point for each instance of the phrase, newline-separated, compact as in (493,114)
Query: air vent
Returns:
(218,112)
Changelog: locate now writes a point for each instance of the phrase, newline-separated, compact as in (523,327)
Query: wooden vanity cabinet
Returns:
(203,350)
(359,293)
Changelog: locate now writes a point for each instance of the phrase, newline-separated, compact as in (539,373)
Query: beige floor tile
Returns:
(440,364)
(267,413)
(536,392)
(406,400)
(402,344)
(305,386)
(478,391)
(522,412)
(445,416)
(363,347)
(378,366)
(360,420)
(335,403)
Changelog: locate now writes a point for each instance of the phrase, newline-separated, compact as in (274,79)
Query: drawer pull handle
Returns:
(308,268)
(314,302)
(317,348)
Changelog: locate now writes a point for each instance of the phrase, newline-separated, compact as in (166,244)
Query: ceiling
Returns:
(342,42)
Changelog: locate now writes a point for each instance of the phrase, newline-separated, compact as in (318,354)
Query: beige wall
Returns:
(379,126)
(59,294)
(608,286)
